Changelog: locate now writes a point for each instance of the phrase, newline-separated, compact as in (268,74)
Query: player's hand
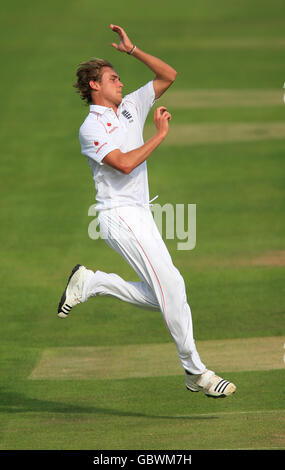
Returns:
(161,119)
(125,44)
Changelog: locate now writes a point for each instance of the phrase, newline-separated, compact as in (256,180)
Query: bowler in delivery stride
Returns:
(111,138)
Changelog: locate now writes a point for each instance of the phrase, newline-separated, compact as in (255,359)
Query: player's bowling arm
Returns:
(164,73)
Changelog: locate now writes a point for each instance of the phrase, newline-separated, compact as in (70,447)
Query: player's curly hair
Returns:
(90,70)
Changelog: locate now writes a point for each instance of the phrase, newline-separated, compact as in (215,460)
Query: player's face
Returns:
(111,87)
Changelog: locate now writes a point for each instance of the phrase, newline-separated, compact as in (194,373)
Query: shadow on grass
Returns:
(12,402)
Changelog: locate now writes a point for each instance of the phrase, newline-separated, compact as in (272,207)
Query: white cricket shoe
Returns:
(209,383)
(72,294)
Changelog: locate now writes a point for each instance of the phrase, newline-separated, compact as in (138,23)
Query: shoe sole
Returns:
(193,391)
(219,396)
(60,313)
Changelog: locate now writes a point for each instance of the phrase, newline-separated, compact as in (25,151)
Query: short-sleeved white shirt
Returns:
(104,131)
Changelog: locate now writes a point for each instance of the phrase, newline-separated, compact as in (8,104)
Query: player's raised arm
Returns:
(164,73)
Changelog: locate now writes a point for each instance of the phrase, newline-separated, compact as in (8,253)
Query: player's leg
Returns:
(84,283)
(111,285)
(140,243)
(132,233)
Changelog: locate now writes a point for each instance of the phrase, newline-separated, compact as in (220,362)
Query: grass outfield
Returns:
(225,153)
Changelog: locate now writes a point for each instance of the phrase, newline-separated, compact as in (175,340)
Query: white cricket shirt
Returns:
(104,131)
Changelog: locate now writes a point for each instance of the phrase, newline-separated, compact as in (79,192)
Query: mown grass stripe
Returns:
(150,360)
(192,134)
(231,413)
(220,98)
(247,43)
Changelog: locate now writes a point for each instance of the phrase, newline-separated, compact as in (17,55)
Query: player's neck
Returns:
(103,102)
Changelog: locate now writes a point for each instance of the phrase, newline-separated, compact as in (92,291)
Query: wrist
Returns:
(161,134)
(132,50)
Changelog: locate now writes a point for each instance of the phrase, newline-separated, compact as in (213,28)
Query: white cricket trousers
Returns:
(132,232)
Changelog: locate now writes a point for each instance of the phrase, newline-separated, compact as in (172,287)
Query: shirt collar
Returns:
(99,109)
(102,109)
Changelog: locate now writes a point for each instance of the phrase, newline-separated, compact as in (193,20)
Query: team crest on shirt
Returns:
(98,146)
(127,115)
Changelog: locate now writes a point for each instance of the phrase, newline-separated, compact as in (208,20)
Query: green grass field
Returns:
(225,153)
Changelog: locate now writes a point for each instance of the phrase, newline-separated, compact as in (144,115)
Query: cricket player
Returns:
(111,138)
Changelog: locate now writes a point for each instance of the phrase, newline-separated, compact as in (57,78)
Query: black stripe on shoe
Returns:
(224,388)
(63,297)
(219,385)
(65,309)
